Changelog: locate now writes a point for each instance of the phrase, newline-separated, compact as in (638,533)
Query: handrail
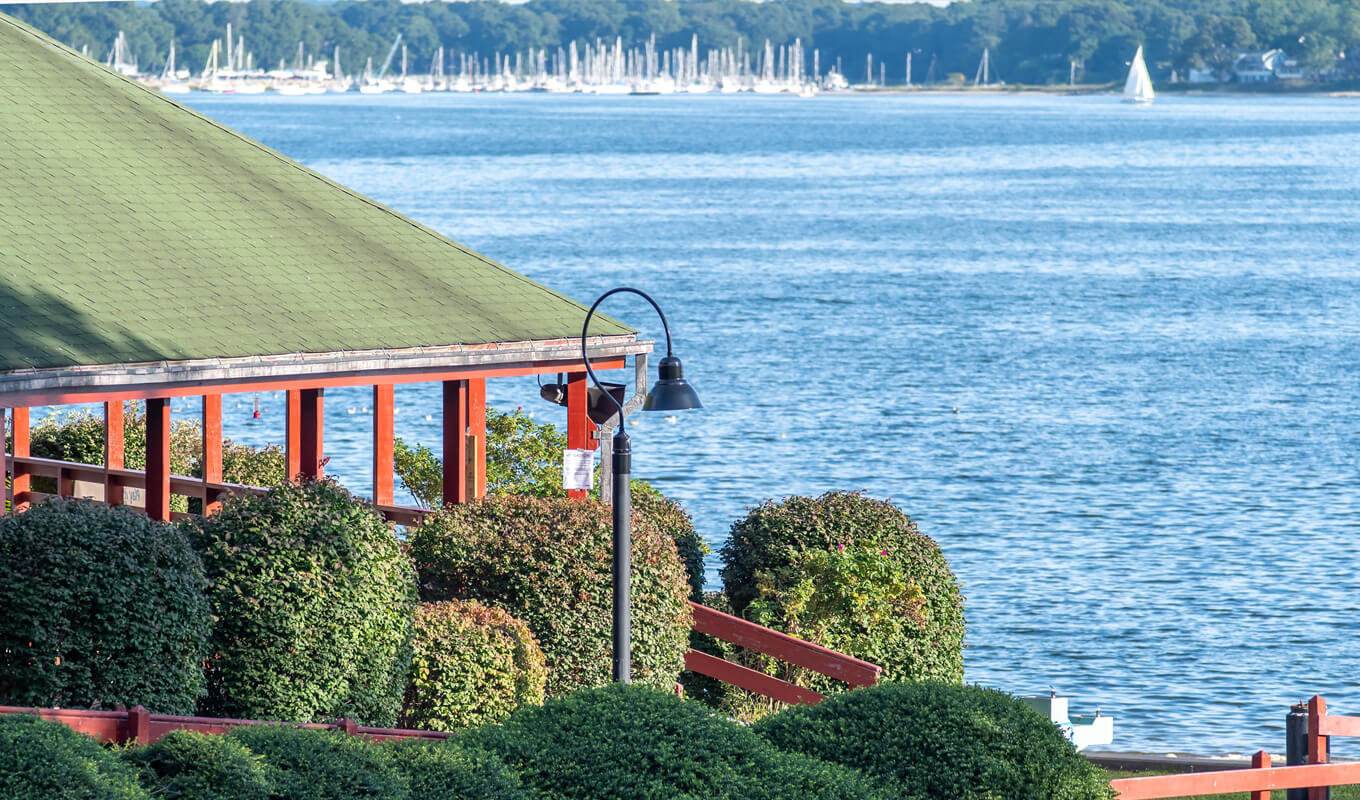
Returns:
(1304,776)
(137,725)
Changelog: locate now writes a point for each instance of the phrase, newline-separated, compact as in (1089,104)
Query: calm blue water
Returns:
(1107,356)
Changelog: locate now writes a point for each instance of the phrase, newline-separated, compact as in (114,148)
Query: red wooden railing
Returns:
(772,643)
(139,726)
(1316,776)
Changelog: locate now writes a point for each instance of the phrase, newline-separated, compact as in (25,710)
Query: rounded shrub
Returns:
(471,664)
(99,606)
(308,764)
(673,521)
(450,771)
(853,574)
(184,765)
(313,598)
(41,760)
(635,742)
(938,741)
(548,562)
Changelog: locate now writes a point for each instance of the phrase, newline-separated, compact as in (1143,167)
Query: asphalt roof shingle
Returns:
(135,230)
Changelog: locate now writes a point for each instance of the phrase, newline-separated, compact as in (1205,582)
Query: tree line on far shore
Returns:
(1030,41)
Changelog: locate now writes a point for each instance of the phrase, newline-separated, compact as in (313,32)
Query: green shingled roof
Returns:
(135,230)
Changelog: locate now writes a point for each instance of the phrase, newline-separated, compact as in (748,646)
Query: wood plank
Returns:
(1159,787)
(212,451)
(782,646)
(1332,725)
(20,482)
(749,679)
(384,407)
(113,451)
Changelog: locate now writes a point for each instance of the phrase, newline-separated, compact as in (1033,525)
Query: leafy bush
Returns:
(309,764)
(937,741)
(183,765)
(450,771)
(548,562)
(99,606)
(472,664)
(850,573)
(41,760)
(633,742)
(313,598)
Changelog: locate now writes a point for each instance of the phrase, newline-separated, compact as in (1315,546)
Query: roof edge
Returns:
(357,367)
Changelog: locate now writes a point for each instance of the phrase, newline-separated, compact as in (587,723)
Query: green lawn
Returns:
(1338,793)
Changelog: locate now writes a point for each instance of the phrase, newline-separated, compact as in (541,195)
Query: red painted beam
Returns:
(1317,742)
(455,442)
(477,430)
(749,679)
(384,405)
(784,647)
(212,451)
(57,397)
(20,482)
(579,425)
(1160,787)
(313,419)
(113,451)
(1260,759)
(1331,725)
(158,458)
(292,437)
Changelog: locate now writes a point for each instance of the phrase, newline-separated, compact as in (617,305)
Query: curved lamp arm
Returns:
(586,328)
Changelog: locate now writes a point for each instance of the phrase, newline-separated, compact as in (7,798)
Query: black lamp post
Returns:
(670,393)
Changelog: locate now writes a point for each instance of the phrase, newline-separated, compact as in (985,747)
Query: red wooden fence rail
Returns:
(1316,776)
(139,726)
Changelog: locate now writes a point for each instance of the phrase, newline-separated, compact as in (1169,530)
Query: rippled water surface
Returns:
(1107,356)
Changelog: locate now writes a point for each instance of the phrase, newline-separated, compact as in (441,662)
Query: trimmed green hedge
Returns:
(472,664)
(548,562)
(314,599)
(632,742)
(184,765)
(309,764)
(41,760)
(451,771)
(937,741)
(853,574)
(99,606)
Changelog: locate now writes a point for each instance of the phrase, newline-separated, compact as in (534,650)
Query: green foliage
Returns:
(850,573)
(633,742)
(309,764)
(935,741)
(313,598)
(99,606)
(471,664)
(669,517)
(451,771)
(41,760)
(183,765)
(548,562)
(1031,41)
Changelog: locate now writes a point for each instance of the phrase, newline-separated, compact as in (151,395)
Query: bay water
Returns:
(1107,356)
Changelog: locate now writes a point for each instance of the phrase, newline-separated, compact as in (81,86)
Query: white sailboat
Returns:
(1138,87)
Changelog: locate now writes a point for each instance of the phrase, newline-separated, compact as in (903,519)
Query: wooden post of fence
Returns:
(1259,760)
(347,725)
(1317,743)
(138,726)
(20,481)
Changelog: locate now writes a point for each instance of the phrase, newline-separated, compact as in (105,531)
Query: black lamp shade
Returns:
(671,392)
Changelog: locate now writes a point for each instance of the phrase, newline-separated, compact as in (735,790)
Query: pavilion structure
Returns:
(149,253)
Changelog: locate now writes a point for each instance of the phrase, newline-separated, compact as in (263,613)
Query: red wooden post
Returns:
(313,419)
(113,451)
(347,725)
(1259,760)
(138,726)
(292,438)
(455,442)
(20,481)
(1317,743)
(477,430)
(158,458)
(383,406)
(212,451)
(579,426)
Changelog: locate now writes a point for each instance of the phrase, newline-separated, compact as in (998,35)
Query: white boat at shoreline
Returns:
(1138,86)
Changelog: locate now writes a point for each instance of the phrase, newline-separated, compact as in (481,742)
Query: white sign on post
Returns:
(578,469)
